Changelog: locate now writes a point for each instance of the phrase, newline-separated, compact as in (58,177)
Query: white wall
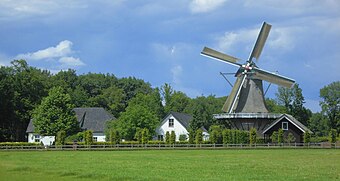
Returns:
(178,128)
(36,138)
(100,137)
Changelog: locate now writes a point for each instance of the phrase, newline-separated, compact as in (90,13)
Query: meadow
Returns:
(258,164)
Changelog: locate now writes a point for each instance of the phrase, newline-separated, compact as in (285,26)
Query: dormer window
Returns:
(171,123)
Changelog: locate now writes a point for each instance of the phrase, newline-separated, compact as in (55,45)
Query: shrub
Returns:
(172,137)
(167,137)
(182,137)
(274,137)
(192,137)
(215,134)
(280,136)
(61,136)
(290,138)
(199,136)
(76,137)
(114,137)
(145,136)
(252,136)
(138,136)
(306,137)
(88,137)
(332,135)
(18,144)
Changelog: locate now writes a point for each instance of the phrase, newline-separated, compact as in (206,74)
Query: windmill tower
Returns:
(245,106)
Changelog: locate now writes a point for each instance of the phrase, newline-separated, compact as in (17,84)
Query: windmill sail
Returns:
(232,98)
(261,39)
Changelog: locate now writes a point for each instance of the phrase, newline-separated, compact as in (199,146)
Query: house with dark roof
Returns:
(178,122)
(288,124)
(92,118)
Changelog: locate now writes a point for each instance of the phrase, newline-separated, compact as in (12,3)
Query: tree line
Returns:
(27,92)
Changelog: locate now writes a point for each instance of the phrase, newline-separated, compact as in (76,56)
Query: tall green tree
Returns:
(55,114)
(133,119)
(330,104)
(293,100)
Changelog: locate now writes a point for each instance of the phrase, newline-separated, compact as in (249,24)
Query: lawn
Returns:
(272,164)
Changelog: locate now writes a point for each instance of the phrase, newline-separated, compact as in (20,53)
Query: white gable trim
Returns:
(284,116)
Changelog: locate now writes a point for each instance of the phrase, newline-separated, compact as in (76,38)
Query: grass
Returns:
(273,164)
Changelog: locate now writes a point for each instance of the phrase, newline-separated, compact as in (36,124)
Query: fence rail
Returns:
(175,146)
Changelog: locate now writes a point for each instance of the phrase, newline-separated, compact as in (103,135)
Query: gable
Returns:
(291,121)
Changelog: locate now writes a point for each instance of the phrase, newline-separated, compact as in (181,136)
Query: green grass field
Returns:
(273,164)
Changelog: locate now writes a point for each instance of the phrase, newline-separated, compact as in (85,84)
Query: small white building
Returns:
(93,118)
(178,122)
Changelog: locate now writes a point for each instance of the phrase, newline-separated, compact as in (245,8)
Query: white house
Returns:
(178,122)
(93,118)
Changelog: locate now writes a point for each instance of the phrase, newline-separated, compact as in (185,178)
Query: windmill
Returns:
(247,93)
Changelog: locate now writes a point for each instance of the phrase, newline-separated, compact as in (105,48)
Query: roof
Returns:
(182,118)
(292,120)
(92,118)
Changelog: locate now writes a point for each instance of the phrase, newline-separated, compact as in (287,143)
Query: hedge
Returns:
(19,144)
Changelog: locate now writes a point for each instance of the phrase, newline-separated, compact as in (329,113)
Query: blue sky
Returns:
(161,41)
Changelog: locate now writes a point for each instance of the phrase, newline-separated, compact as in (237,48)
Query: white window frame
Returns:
(285,128)
(173,123)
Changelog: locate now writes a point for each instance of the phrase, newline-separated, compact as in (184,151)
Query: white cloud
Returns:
(70,62)
(61,55)
(204,6)
(61,50)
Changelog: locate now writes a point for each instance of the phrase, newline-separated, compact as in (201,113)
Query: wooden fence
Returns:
(160,146)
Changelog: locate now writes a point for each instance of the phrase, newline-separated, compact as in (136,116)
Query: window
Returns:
(37,138)
(160,137)
(94,139)
(284,125)
(171,123)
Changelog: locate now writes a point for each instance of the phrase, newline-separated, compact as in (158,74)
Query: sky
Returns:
(161,41)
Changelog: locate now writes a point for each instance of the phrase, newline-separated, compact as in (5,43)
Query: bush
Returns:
(182,137)
(290,138)
(306,137)
(76,137)
(167,137)
(145,136)
(138,135)
(280,136)
(192,137)
(252,136)
(332,135)
(274,137)
(88,135)
(18,144)
(172,137)
(114,137)
(215,134)
(61,136)
(317,139)
(199,136)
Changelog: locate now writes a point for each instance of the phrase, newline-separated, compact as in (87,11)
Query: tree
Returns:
(55,114)
(252,136)
(318,124)
(172,137)
(293,100)
(330,104)
(166,91)
(199,136)
(134,118)
(274,137)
